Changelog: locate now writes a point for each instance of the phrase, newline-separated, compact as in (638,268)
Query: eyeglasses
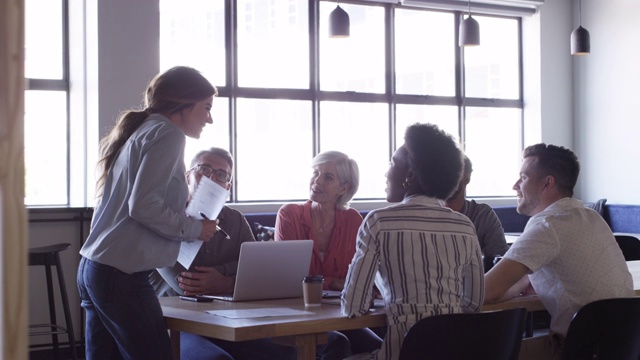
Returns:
(206,170)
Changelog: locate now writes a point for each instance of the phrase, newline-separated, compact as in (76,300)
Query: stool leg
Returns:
(65,307)
(52,310)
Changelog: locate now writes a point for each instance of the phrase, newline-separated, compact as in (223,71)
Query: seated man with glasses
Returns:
(214,268)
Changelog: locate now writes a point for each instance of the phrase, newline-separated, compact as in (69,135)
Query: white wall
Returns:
(125,56)
(555,61)
(548,78)
(607,127)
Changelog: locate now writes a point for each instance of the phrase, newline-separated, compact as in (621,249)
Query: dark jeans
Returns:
(336,348)
(195,347)
(123,315)
(363,340)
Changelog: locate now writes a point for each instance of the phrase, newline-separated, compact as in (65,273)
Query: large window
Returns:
(46,120)
(288,91)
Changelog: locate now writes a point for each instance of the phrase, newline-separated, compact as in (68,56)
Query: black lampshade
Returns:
(469,32)
(580,41)
(338,23)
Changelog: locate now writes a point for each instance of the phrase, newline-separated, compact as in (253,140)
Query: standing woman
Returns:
(139,219)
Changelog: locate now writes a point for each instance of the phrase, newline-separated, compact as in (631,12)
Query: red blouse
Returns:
(294,223)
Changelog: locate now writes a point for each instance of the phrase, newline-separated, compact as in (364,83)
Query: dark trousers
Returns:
(123,315)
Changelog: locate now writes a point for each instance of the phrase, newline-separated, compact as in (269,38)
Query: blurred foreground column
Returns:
(13,219)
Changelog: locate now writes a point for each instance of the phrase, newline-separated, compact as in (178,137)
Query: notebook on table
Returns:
(271,270)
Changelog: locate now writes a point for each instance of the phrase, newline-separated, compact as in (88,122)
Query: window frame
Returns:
(232,91)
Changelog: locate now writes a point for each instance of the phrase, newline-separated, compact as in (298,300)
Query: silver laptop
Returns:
(271,270)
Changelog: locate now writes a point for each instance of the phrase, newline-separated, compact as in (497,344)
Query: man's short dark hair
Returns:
(434,158)
(556,161)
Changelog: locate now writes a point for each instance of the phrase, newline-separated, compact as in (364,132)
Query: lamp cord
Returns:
(579,12)
(469,11)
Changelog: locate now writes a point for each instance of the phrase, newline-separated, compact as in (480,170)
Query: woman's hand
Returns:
(336,284)
(209,228)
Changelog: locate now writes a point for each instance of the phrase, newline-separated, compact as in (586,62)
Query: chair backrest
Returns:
(630,246)
(605,329)
(492,335)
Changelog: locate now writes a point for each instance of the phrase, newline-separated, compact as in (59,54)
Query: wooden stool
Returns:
(48,256)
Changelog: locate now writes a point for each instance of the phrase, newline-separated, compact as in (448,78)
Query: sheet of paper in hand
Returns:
(209,198)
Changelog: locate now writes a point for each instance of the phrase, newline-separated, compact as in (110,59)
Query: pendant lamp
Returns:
(338,23)
(469,32)
(580,39)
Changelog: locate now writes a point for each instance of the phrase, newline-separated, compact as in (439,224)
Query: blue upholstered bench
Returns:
(621,218)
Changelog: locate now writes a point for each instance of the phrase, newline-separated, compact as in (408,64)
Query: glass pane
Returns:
(340,121)
(45,128)
(213,135)
(355,63)
(425,53)
(43,39)
(274,149)
(493,143)
(492,69)
(273,43)
(192,34)
(446,117)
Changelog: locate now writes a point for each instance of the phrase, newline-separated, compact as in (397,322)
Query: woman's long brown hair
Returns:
(170,92)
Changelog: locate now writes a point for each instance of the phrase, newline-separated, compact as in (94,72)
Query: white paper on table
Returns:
(209,198)
(257,313)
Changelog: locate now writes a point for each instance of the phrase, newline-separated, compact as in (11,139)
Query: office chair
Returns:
(605,329)
(492,335)
(630,246)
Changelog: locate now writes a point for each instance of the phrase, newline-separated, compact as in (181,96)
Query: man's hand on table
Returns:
(205,280)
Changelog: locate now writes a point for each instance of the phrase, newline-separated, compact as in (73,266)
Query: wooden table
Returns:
(533,303)
(301,331)
(530,302)
(634,269)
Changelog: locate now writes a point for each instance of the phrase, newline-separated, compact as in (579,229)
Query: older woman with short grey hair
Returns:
(326,217)
(347,171)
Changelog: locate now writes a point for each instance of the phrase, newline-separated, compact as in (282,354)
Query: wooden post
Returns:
(13,219)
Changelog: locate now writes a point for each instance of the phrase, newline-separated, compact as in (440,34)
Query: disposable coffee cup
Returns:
(312,290)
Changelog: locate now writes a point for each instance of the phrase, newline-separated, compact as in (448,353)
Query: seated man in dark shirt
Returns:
(488,226)
(214,269)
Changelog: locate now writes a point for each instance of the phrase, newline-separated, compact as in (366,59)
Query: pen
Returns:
(217,227)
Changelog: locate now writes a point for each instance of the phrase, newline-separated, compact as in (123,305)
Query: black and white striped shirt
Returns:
(425,260)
